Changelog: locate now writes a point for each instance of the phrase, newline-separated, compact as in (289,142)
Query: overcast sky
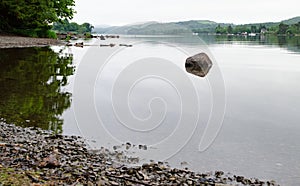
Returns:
(121,12)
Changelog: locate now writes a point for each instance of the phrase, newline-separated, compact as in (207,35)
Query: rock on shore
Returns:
(17,41)
(43,157)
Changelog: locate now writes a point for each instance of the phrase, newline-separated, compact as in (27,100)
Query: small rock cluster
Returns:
(52,159)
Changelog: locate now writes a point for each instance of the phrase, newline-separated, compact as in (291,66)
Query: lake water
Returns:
(243,117)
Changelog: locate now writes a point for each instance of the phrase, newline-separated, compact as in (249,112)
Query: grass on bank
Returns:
(8,176)
(36,33)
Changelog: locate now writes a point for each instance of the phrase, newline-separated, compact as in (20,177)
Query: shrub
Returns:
(35,33)
(25,32)
(51,34)
(88,35)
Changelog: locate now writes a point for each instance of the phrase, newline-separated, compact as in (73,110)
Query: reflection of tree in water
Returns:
(282,41)
(30,87)
(291,43)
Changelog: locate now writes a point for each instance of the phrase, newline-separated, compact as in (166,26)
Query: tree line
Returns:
(66,26)
(36,18)
(281,29)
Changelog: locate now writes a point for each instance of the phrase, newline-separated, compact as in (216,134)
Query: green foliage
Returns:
(25,32)
(203,26)
(31,80)
(35,33)
(9,177)
(26,16)
(236,29)
(294,29)
(292,21)
(272,29)
(254,29)
(88,35)
(281,29)
(51,34)
(68,38)
(66,26)
(241,29)
(229,29)
(220,30)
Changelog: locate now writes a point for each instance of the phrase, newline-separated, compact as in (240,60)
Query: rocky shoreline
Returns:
(39,157)
(17,42)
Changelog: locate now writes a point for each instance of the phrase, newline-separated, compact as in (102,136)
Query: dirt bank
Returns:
(17,41)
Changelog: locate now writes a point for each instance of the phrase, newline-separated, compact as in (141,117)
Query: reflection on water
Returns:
(291,43)
(260,132)
(31,81)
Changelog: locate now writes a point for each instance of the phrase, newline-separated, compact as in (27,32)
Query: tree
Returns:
(220,30)
(33,14)
(297,27)
(88,27)
(65,26)
(229,29)
(261,27)
(282,28)
(253,29)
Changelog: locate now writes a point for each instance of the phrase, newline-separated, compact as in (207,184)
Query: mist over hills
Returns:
(200,26)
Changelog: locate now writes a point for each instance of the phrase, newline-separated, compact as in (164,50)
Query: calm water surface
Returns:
(126,99)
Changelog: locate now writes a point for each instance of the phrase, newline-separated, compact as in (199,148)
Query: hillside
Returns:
(272,24)
(292,20)
(200,26)
(160,28)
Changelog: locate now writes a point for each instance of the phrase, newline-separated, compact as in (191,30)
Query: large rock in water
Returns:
(198,64)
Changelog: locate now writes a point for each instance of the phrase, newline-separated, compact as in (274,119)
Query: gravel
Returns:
(53,159)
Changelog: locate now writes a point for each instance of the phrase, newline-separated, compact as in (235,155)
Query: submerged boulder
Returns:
(199,64)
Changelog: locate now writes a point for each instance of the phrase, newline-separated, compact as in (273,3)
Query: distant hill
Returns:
(162,28)
(271,24)
(200,26)
(100,29)
(130,29)
(292,20)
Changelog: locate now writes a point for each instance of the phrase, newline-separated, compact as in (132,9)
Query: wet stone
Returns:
(198,64)
(67,160)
